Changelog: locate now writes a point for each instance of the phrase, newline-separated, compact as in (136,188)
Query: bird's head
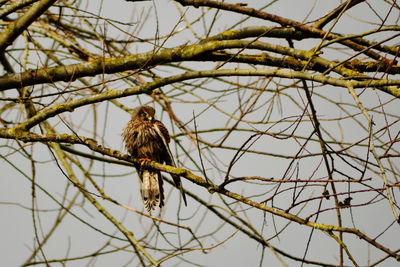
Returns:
(146,113)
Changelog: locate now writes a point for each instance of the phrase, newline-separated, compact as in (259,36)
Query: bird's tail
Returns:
(152,190)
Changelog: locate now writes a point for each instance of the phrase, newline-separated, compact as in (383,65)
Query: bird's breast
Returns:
(144,141)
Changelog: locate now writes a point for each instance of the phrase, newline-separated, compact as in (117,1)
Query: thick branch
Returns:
(383,84)
(92,144)
(22,23)
(146,60)
(280,20)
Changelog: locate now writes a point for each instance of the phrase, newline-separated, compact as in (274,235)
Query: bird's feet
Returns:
(143,161)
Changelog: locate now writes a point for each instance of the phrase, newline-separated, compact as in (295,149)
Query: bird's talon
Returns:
(143,161)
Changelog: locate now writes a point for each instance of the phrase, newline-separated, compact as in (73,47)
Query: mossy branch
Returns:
(388,86)
(15,28)
(93,145)
(138,62)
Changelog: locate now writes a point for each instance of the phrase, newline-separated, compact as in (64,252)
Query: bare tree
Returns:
(284,120)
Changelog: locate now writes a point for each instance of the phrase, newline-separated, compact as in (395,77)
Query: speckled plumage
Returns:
(146,137)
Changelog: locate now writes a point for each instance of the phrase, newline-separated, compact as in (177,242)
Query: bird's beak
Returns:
(150,118)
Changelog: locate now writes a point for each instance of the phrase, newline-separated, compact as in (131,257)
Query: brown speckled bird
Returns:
(147,139)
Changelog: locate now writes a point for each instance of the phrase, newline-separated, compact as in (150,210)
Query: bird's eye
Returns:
(147,117)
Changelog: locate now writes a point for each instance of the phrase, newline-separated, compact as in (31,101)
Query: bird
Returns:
(148,139)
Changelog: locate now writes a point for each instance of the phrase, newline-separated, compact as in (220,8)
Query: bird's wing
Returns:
(164,136)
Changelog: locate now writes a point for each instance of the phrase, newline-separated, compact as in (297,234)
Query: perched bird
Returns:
(147,139)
